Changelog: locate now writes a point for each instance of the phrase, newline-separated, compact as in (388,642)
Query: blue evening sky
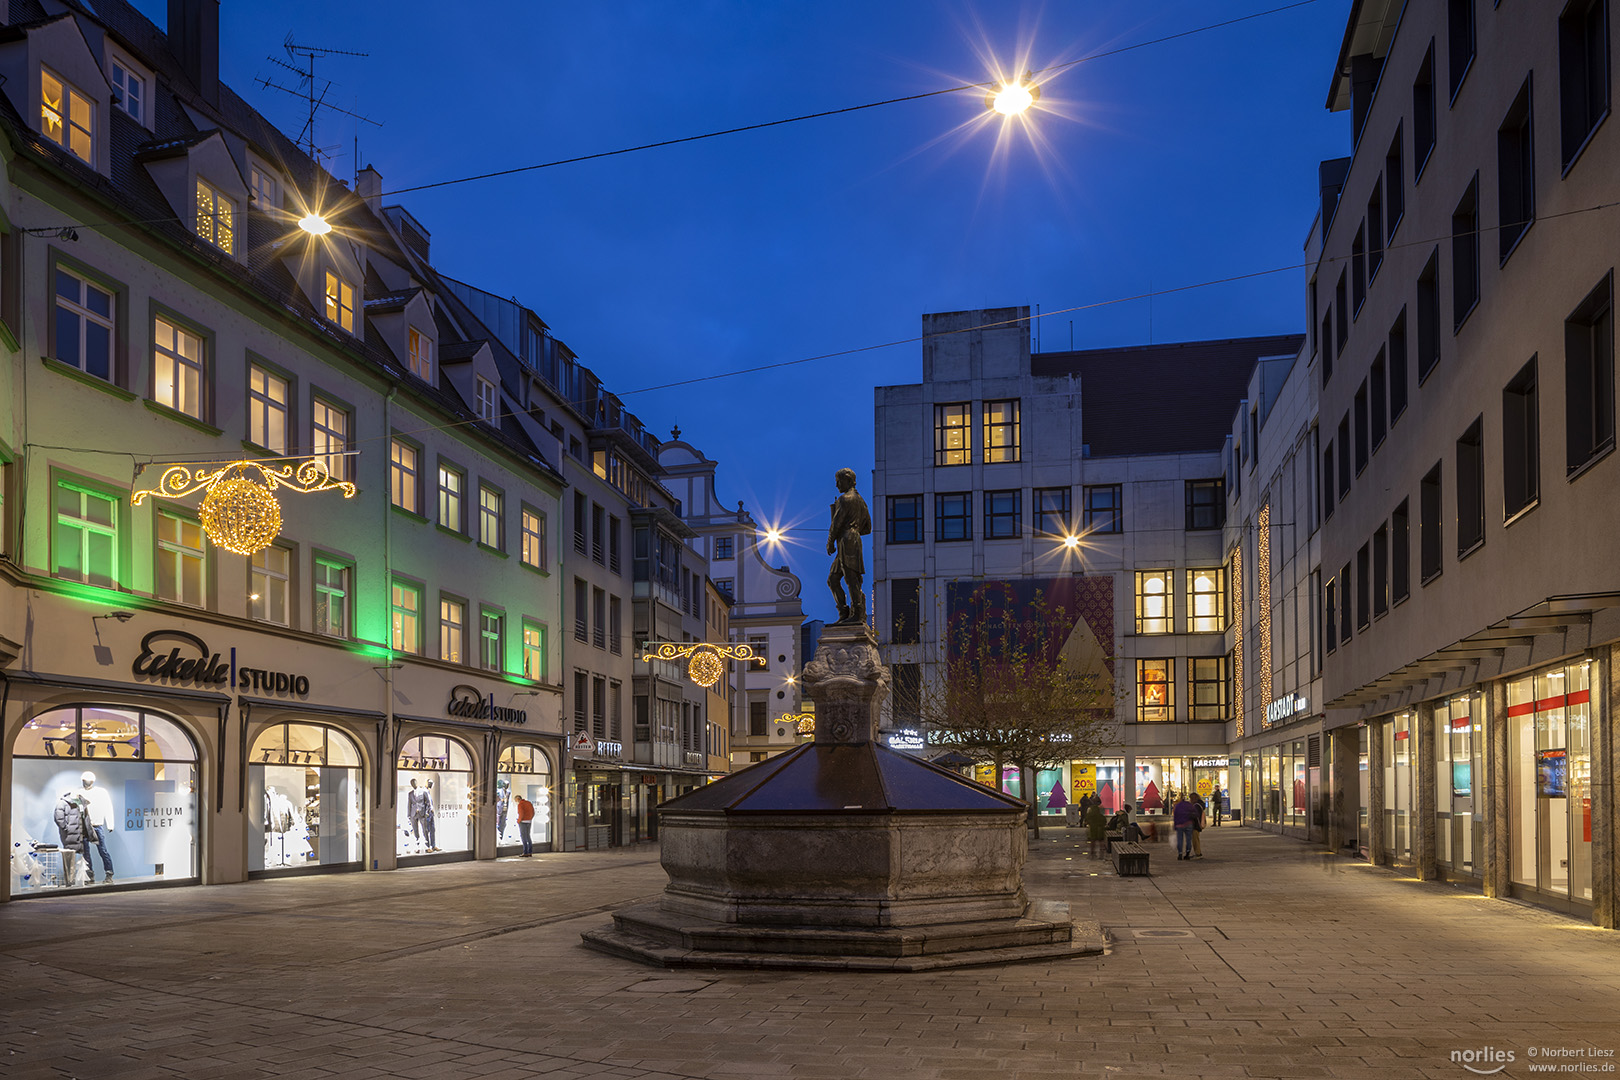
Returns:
(1160,167)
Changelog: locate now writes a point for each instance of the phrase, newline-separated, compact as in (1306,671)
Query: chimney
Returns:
(194,40)
(368,185)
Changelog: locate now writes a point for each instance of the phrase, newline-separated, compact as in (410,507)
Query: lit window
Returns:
(1000,431)
(1153,601)
(177,368)
(86,536)
(534,651)
(272,585)
(533,551)
(486,400)
(329,437)
(267,409)
(491,630)
(265,188)
(1153,701)
(216,217)
(340,301)
(451,483)
(421,355)
(403,476)
(1206,599)
(131,90)
(452,629)
(66,117)
(180,559)
(405,610)
(953,434)
(331,598)
(84,325)
(490,513)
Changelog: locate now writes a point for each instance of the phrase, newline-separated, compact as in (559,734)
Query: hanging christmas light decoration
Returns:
(804,721)
(705,660)
(239,511)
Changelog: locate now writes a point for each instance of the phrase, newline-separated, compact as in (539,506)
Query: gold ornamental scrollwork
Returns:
(705,660)
(239,511)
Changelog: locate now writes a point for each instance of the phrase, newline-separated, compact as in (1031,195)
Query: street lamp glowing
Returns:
(314,224)
(773,536)
(1071,542)
(1014,97)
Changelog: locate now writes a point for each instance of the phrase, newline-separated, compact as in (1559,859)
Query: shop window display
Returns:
(1399,755)
(434,798)
(102,795)
(524,772)
(1459,766)
(1550,772)
(304,783)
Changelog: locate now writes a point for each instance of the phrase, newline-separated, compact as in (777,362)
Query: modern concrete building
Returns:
(1463,336)
(1091,479)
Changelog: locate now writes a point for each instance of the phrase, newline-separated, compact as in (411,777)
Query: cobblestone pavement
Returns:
(1268,958)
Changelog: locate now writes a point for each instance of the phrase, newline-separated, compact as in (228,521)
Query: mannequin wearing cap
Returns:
(98,822)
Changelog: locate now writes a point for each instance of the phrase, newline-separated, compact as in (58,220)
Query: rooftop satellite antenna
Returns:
(313,96)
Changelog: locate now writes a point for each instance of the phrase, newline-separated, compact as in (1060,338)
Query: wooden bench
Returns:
(1130,860)
(1112,839)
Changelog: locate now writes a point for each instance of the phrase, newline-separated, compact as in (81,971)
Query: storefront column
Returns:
(1423,781)
(1375,792)
(1127,783)
(223,803)
(1495,868)
(1344,761)
(1605,814)
(383,842)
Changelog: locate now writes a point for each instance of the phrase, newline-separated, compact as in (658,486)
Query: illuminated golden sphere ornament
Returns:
(240,516)
(705,660)
(239,512)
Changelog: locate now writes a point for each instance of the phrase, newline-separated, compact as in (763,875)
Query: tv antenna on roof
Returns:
(316,99)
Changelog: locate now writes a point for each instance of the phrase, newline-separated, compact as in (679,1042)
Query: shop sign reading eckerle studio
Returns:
(205,668)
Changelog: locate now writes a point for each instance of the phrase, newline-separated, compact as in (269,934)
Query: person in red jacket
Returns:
(525,819)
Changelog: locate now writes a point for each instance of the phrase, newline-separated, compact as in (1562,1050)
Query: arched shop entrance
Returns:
(435,794)
(304,798)
(102,795)
(524,771)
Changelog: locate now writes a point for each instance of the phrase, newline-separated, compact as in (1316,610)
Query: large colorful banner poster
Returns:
(1071,618)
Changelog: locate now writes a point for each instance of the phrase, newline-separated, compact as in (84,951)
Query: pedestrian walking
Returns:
(1198,825)
(1216,800)
(1182,816)
(525,819)
(1096,830)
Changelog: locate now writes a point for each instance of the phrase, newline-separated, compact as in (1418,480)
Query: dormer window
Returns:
(131,90)
(265,188)
(66,117)
(340,301)
(421,355)
(216,217)
(486,399)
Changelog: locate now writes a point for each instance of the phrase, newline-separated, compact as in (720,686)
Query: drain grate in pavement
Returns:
(668,986)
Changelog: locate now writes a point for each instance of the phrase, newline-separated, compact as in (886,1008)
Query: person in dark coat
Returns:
(1182,817)
(1096,830)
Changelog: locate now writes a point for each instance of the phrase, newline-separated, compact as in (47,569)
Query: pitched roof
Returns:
(1162,399)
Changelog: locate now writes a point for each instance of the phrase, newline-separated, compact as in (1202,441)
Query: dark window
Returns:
(1364,587)
(1054,512)
(725,547)
(580,505)
(598,535)
(1521,442)
(1207,694)
(1330,608)
(1465,254)
(906,694)
(1328,501)
(1362,420)
(1428,317)
(1471,487)
(758,726)
(1583,72)
(1375,231)
(953,516)
(1002,511)
(1423,114)
(1459,41)
(1105,509)
(1430,542)
(1400,553)
(1206,504)
(1397,368)
(1344,456)
(905,604)
(1380,402)
(1341,330)
(1589,376)
(905,519)
(582,627)
(1515,172)
(1327,345)
(1358,268)
(1344,604)
(1394,186)
(1380,571)
(582,690)
(1316,310)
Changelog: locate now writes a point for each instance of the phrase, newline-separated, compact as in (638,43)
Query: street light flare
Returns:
(1014,97)
(314,224)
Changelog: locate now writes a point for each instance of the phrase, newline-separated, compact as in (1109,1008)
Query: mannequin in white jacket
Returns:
(99,810)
